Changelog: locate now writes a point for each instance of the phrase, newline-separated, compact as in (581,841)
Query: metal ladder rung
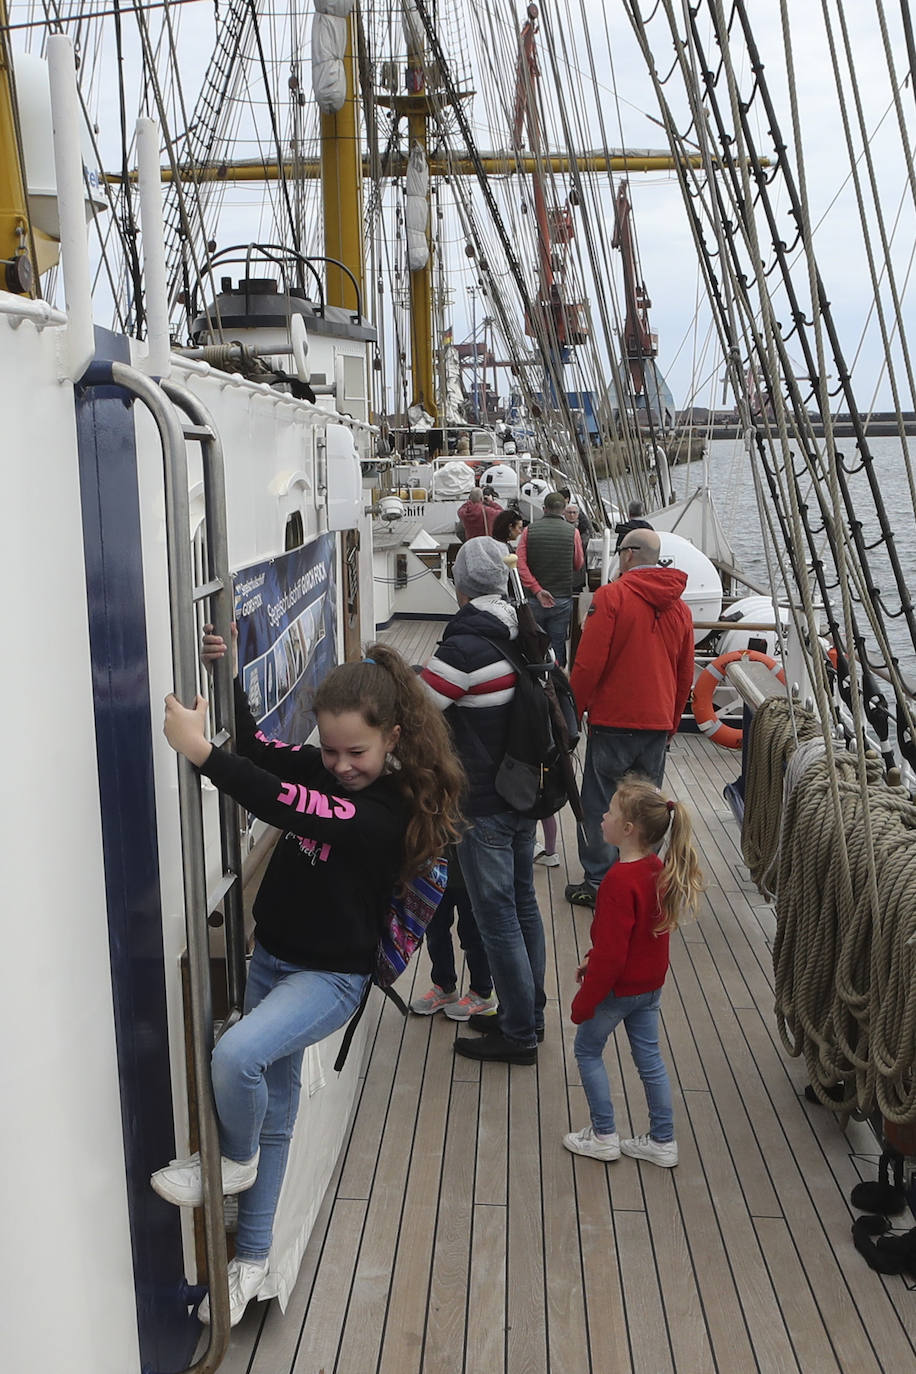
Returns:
(227,881)
(206,589)
(197,431)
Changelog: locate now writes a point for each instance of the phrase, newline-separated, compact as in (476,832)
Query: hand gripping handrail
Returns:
(184,668)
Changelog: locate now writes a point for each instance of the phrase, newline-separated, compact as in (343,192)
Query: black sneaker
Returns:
(495,1047)
(489,1025)
(580,894)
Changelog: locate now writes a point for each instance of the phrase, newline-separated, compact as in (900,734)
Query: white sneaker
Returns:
(586,1142)
(180,1181)
(660,1152)
(246,1280)
(547,860)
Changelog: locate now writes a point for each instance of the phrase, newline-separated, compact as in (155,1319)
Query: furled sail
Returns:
(417,209)
(329,43)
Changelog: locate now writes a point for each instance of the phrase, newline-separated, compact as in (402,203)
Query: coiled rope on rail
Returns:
(845,971)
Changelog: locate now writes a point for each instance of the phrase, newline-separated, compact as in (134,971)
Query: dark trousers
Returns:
(441,951)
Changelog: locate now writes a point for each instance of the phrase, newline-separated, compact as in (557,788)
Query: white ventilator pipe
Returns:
(158,360)
(67,120)
(605,554)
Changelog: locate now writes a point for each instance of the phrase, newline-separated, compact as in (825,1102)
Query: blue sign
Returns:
(286,612)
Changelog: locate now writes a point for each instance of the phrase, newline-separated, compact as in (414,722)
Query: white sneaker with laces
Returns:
(587,1142)
(660,1152)
(432,1001)
(547,860)
(246,1279)
(470,1005)
(180,1181)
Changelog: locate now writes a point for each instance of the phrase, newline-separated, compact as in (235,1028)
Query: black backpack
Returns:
(536,776)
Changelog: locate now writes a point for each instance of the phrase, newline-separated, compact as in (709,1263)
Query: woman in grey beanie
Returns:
(480,568)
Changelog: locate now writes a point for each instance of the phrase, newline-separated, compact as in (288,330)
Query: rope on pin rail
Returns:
(845,967)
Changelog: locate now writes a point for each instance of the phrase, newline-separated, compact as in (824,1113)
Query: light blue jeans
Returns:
(639,1015)
(497,860)
(608,755)
(256,1070)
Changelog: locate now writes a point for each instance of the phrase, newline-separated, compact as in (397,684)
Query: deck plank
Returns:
(448,1285)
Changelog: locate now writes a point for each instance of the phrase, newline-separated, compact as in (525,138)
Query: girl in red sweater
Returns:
(638,904)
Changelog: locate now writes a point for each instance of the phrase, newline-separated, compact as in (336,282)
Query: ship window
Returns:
(295,534)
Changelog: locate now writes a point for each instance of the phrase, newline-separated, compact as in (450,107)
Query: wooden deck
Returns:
(460,1237)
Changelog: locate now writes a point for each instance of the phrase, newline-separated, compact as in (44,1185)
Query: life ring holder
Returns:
(704,713)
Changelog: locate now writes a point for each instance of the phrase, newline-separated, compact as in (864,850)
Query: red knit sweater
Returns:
(627,956)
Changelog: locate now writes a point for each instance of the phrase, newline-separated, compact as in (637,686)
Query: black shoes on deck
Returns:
(580,894)
(492,1044)
(496,1048)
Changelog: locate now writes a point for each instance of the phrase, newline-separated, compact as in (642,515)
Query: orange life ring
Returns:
(712,677)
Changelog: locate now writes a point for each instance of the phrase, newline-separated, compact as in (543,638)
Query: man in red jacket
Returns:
(633,674)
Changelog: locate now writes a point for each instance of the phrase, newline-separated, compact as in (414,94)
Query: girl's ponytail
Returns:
(657,818)
(680,881)
(387,692)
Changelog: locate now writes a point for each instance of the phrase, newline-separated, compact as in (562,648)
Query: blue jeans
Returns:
(441,950)
(608,755)
(497,860)
(256,1070)
(554,621)
(639,1015)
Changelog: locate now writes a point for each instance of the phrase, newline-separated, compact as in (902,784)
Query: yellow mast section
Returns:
(341,170)
(16,252)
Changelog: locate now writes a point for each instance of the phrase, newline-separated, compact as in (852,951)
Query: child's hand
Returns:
(184,729)
(582,969)
(214,647)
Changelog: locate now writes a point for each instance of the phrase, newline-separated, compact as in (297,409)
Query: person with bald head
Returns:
(632,677)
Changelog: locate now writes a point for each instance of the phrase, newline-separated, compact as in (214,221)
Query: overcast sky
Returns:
(666,251)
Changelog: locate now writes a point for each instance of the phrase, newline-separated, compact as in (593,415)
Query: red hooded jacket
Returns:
(634,663)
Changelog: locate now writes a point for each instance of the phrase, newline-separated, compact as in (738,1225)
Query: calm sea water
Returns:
(732,483)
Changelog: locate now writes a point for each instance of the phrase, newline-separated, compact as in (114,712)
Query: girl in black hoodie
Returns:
(368,810)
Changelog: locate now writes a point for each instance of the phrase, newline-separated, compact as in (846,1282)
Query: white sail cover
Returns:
(329,43)
(453,479)
(414,29)
(419,418)
(417,211)
(454,392)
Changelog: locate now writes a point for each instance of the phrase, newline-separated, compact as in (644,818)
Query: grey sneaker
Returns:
(433,1001)
(246,1279)
(586,1142)
(660,1152)
(180,1181)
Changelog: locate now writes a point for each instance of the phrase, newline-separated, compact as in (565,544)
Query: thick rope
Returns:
(845,970)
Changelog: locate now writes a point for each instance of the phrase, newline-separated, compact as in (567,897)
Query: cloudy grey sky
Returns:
(629,109)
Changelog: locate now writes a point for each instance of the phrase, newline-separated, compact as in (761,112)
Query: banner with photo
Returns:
(286,612)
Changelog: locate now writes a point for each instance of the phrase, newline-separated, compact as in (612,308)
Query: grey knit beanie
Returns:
(480,569)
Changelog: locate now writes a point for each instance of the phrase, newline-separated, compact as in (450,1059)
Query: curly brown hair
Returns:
(386,692)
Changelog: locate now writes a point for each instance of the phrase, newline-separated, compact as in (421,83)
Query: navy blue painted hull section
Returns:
(117,632)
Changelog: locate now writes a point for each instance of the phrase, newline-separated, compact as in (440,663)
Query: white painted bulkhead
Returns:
(66,1268)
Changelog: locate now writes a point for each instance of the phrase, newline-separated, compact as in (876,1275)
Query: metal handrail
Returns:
(217,536)
(184,669)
